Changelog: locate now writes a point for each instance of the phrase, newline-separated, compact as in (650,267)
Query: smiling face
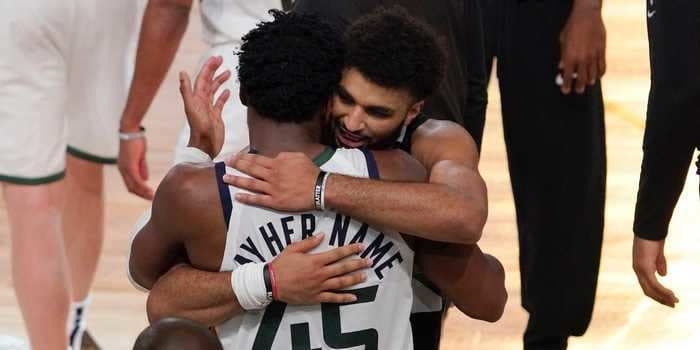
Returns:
(365,114)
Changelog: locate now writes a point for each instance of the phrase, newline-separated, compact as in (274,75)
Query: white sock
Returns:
(77,322)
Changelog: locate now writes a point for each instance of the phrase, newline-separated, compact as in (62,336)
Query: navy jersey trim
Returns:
(372,168)
(224,194)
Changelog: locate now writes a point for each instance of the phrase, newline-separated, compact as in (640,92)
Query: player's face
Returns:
(365,114)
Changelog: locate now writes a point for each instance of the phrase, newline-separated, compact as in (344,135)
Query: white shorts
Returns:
(234,113)
(63,83)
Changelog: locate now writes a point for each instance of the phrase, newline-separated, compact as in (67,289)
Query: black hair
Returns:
(289,67)
(395,50)
(175,334)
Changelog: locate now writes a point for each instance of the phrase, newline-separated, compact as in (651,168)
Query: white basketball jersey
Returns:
(380,317)
(226,21)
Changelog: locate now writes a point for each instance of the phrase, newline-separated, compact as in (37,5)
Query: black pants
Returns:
(673,116)
(557,164)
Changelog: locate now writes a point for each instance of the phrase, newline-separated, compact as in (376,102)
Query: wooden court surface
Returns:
(623,318)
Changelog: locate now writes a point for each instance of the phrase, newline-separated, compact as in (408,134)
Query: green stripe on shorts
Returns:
(90,157)
(32,181)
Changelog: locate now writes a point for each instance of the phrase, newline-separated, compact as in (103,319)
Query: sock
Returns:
(77,322)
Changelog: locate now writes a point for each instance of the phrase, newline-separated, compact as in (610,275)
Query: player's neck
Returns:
(269,138)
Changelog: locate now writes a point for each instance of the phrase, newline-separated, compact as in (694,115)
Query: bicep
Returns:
(153,253)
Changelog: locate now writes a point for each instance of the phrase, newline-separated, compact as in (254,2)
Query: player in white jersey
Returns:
(367,114)
(63,82)
(164,23)
(379,317)
(196,213)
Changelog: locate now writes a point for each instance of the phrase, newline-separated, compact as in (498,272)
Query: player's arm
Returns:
(178,214)
(451,207)
(164,24)
(202,296)
(472,280)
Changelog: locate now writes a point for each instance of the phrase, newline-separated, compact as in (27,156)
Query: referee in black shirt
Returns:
(672,134)
(550,55)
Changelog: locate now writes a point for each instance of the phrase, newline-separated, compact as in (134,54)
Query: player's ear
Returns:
(243,96)
(413,111)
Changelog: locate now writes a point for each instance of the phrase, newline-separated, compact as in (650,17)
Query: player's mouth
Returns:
(350,140)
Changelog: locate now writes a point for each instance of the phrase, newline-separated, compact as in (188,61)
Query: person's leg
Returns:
(34,38)
(38,261)
(83,222)
(556,156)
(83,230)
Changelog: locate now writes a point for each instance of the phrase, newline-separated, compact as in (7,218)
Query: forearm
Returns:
(664,170)
(164,24)
(205,297)
(450,208)
(418,209)
(472,280)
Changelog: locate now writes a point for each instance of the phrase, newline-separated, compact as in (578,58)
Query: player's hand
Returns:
(582,48)
(307,279)
(203,115)
(284,183)
(648,259)
(132,165)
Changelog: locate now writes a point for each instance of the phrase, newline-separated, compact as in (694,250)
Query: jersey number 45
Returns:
(330,315)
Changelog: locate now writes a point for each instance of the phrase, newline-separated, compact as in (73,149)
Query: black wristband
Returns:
(268,281)
(318,190)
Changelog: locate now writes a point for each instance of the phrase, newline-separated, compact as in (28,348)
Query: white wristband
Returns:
(248,284)
(194,155)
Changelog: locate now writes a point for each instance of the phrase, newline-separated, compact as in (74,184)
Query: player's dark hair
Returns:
(290,66)
(175,334)
(394,50)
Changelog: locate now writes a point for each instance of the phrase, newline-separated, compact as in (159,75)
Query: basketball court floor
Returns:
(623,317)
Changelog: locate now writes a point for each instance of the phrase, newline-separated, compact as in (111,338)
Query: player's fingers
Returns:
(252,168)
(601,65)
(307,244)
(138,184)
(220,80)
(221,101)
(343,282)
(661,266)
(336,298)
(592,72)
(567,71)
(185,87)
(345,267)
(339,253)
(258,200)
(655,290)
(254,158)
(250,184)
(205,76)
(581,75)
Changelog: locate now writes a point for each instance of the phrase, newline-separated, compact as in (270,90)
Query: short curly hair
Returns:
(395,50)
(289,67)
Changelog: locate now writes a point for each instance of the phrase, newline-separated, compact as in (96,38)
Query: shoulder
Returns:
(186,195)
(397,165)
(438,140)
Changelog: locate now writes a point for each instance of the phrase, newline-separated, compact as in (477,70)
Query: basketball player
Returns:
(60,83)
(671,136)
(288,68)
(164,24)
(177,334)
(478,290)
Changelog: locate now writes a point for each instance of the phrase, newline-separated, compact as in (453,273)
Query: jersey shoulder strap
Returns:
(404,140)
